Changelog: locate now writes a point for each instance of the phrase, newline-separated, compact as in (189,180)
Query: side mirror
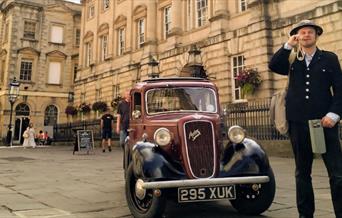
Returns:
(136,114)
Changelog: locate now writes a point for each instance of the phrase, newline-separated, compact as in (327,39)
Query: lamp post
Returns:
(153,70)
(13,94)
(195,62)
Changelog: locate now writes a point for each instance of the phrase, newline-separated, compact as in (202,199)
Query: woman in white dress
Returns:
(29,141)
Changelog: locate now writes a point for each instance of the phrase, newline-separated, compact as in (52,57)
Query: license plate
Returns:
(206,193)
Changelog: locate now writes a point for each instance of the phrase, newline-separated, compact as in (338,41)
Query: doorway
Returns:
(20,125)
(22,120)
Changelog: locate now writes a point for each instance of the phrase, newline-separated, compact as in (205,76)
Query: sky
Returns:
(76,1)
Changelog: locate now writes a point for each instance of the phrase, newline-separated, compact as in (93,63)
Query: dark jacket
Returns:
(309,94)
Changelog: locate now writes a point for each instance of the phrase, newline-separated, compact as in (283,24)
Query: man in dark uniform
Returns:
(310,96)
(122,122)
(107,123)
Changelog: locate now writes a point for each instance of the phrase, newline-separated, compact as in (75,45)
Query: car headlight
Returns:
(236,134)
(162,136)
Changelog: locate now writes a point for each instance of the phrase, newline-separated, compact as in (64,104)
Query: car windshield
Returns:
(180,99)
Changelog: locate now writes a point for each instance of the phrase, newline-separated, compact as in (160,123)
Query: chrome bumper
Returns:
(204,182)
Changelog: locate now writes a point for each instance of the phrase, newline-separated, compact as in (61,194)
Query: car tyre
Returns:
(149,207)
(258,205)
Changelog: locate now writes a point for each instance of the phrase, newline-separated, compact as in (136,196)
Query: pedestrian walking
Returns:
(122,122)
(107,124)
(312,76)
(29,137)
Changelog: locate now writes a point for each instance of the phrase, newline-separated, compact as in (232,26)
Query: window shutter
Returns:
(57,34)
(54,73)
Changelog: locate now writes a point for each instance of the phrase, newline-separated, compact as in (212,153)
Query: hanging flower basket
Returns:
(84,108)
(71,110)
(99,106)
(248,80)
(115,102)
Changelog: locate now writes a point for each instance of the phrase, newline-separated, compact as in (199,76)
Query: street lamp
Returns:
(71,96)
(153,70)
(195,62)
(13,94)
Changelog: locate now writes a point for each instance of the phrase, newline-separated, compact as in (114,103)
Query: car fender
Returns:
(245,158)
(151,164)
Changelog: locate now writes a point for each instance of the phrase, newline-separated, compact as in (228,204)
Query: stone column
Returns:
(221,8)
(219,21)
(176,17)
(151,34)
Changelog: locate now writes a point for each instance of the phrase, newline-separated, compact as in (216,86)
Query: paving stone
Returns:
(51,182)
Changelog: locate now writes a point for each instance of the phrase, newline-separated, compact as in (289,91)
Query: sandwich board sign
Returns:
(85,140)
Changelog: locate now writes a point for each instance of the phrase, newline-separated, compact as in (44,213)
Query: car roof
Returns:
(173,81)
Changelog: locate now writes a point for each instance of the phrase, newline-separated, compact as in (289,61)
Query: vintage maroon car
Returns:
(175,151)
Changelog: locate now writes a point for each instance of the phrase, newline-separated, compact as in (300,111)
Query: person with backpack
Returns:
(312,76)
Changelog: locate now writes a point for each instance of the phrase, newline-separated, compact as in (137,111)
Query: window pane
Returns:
(180,99)
(75,71)
(243,5)
(54,73)
(104,47)
(202,7)
(141,32)
(121,41)
(91,11)
(50,117)
(77,37)
(22,110)
(26,70)
(116,91)
(238,66)
(167,21)
(88,53)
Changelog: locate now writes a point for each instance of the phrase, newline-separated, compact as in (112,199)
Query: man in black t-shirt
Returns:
(122,123)
(107,123)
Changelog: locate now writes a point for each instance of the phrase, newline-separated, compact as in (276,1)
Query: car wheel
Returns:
(150,206)
(250,201)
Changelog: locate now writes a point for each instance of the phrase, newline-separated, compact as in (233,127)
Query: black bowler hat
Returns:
(305,23)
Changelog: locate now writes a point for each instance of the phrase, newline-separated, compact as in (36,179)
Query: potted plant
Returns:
(70,110)
(115,102)
(84,108)
(100,106)
(248,80)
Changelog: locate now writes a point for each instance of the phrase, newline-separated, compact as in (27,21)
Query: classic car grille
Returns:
(200,148)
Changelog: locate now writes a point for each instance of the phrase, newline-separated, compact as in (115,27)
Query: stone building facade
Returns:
(39,42)
(119,37)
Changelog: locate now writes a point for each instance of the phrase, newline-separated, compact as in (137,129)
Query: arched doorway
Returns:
(22,113)
(50,118)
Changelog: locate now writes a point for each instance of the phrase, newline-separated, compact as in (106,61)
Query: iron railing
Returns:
(254,116)
(67,131)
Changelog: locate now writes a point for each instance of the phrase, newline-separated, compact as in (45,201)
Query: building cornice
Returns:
(28,49)
(26,4)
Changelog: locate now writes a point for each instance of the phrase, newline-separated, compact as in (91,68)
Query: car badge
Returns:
(197,116)
(193,135)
